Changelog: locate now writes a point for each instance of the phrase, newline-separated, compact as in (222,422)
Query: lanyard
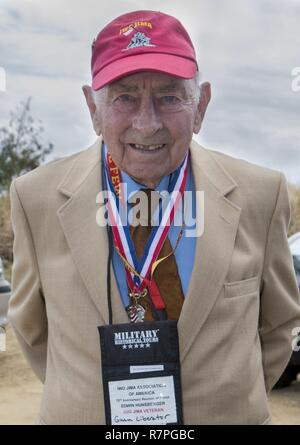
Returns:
(139,274)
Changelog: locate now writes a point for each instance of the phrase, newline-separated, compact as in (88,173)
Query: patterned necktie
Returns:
(166,274)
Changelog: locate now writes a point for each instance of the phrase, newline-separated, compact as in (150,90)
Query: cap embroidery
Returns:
(129,28)
(139,39)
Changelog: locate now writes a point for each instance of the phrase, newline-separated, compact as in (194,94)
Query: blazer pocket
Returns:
(243,287)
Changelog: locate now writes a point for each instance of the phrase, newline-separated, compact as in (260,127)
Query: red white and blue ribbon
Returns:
(121,233)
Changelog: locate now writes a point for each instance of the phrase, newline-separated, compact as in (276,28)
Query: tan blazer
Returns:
(236,322)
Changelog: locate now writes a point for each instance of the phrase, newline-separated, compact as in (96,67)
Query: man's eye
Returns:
(126,98)
(170,100)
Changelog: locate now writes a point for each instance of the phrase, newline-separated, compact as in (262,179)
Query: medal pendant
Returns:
(136,294)
(136,313)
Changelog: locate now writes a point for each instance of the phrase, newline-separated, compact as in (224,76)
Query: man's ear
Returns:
(205,95)
(89,97)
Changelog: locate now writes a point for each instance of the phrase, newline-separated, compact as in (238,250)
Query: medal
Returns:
(136,312)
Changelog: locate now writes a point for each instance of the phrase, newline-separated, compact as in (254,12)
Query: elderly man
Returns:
(230,294)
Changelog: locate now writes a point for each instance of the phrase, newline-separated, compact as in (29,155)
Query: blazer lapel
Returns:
(88,242)
(214,248)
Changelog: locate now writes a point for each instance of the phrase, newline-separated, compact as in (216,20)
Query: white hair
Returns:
(96,93)
(197,79)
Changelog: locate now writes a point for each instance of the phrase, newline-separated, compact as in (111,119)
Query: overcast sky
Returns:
(246,49)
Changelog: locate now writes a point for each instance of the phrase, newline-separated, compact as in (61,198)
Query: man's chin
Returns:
(141,176)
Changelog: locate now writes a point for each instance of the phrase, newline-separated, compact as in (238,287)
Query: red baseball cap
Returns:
(142,41)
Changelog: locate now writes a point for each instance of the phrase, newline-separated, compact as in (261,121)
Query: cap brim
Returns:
(163,63)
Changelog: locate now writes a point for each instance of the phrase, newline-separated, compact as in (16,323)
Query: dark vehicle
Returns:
(293,368)
(4,296)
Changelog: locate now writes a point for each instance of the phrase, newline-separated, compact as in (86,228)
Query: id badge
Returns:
(141,373)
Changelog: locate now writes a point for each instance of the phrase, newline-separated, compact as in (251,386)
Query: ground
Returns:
(20,391)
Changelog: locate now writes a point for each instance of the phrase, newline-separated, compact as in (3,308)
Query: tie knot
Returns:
(145,202)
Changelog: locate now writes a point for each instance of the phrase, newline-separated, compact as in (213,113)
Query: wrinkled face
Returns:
(147,121)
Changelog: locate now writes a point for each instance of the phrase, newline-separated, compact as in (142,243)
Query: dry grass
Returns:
(295,209)
(6,234)
(19,388)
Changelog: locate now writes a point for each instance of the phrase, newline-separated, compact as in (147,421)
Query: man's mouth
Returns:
(142,147)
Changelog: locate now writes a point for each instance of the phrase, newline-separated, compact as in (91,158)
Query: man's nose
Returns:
(147,120)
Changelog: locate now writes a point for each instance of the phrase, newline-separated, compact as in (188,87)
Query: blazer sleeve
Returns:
(280,303)
(27,312)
